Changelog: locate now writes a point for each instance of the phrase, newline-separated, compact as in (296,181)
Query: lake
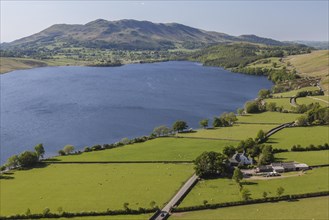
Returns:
(84,106)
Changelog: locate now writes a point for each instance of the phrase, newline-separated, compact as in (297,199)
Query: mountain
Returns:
(321,45)
(129,34)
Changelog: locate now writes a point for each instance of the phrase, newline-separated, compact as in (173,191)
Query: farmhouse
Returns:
(283,167)
(240,159)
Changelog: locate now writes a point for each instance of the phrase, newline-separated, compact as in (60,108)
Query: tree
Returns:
(240,111)
(264,93)
(179,126)
(28,212)
(230,117)
(204,123)
(12,162)
(217,122)
(125,140)
(302,121)
(245,194)
(205,202)
(252,107)
(161,130)
(225,120)
(39,150)
(125,206)
(68,149)
(264,195)
(27,159)
(229,151)
(237,175)
(46,211)
(261,136)
(61,153)
(271,106)
(266,156)
(279,191)
(209,164)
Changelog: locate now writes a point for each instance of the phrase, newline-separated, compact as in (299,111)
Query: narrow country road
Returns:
(276,129)
(165,212)
(293,101)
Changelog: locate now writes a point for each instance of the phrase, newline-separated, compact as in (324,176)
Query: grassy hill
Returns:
(128,34)
(315,64)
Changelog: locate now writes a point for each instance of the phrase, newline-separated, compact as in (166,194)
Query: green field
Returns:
(91,187)
(268,63)
(325,98)
(160,149)
(236,132)
(268,117)
(314,64)
(225,190)
(280,102)
(309,100)
(311,158)
(304,136)
(294,92)
(109,217)
(311,208)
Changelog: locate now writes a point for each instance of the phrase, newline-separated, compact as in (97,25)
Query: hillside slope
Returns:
(315,64)
(129,34)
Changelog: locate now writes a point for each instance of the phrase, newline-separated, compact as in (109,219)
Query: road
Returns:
(293,101)
(276,129)
(165,212)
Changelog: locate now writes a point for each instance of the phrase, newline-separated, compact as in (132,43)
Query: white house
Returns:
(240,159)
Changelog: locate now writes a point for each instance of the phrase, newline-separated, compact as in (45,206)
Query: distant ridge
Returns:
(130,34)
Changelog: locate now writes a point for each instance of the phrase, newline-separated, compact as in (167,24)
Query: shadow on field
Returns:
(35,166)
(51,160)
(248,183)
(280,159)
(6,177)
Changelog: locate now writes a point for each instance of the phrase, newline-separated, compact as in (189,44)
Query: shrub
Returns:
(61,152)
(28,159)
(96,147)
(87,149)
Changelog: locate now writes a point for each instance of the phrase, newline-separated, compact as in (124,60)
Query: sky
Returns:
(279,19)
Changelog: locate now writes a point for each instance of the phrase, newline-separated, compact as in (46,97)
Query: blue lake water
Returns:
(84,106)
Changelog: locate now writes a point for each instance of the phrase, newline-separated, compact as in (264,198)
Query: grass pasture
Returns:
(294,92)
(268,117)
(324,98)
(281,210)
(236,132)
(308,100)
(91,187)
(311,158)
(304,136)
(314,64)
(108,217)
(160,149)
(225,190)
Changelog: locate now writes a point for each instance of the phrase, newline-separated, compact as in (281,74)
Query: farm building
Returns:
(283,167)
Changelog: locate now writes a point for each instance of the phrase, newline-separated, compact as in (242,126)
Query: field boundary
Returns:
(253,201)
(205,138)
(112,162)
